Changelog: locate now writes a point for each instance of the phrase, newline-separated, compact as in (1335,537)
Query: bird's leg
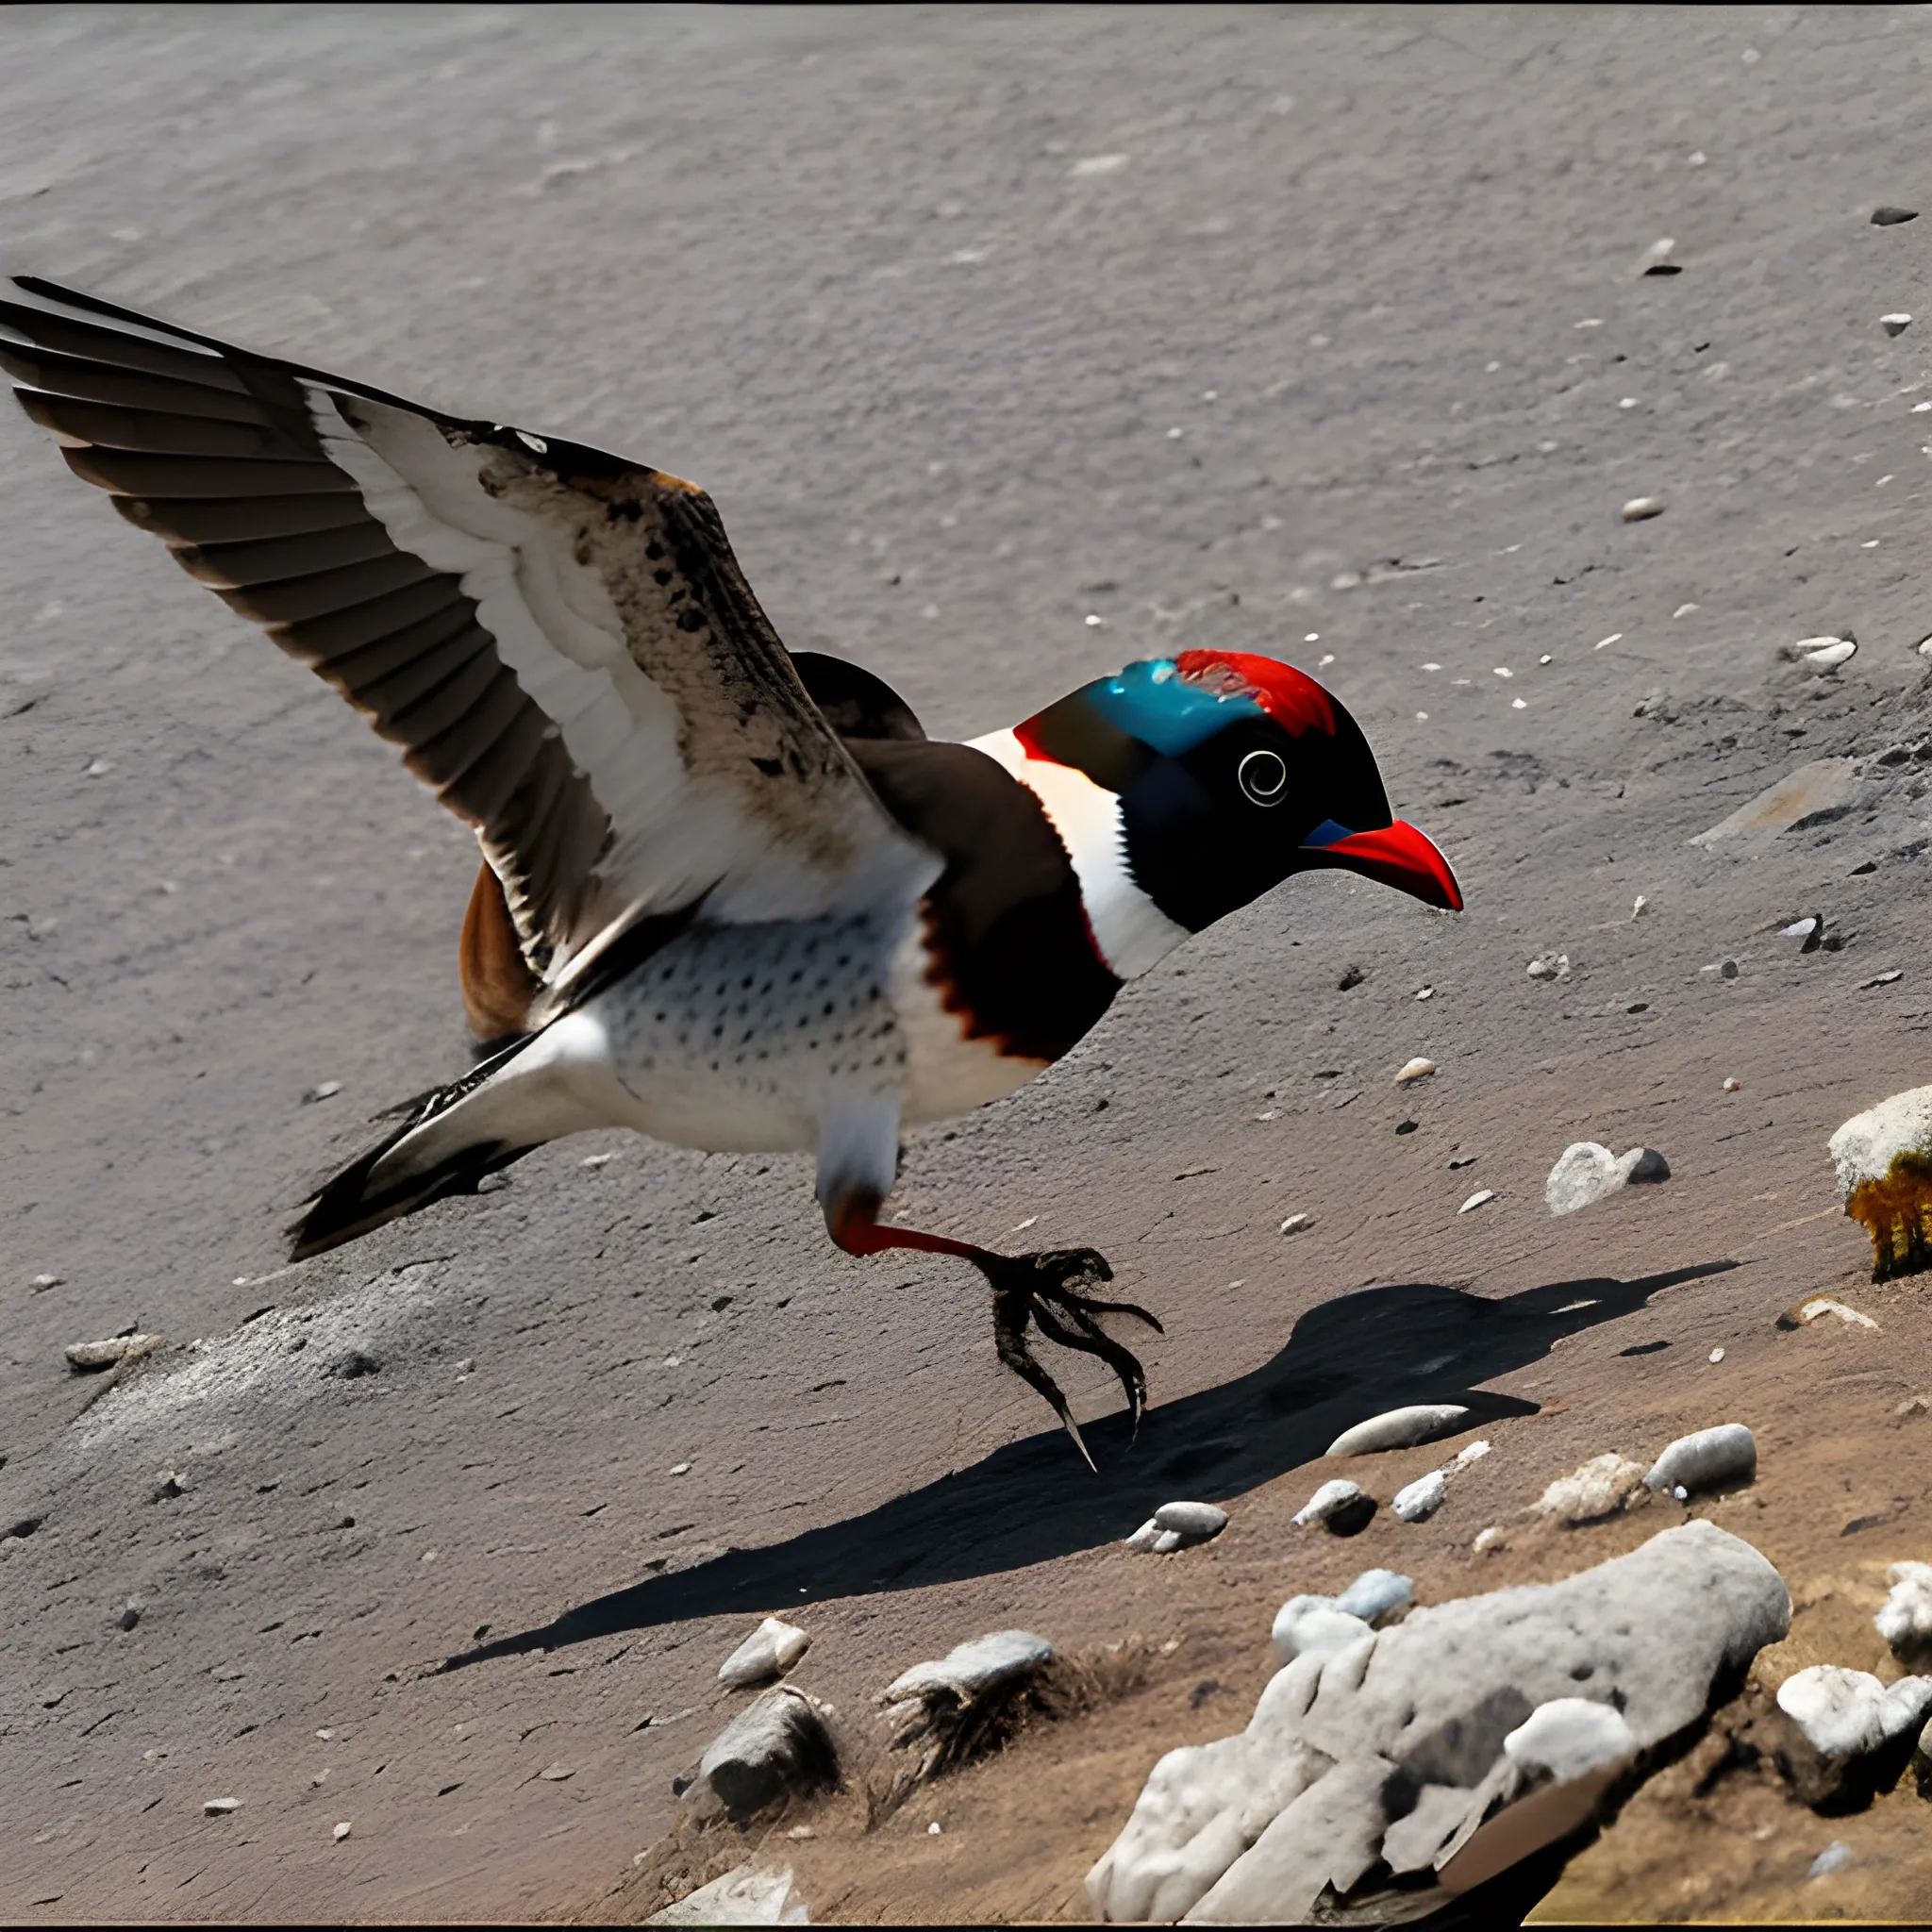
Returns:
(1047,1288)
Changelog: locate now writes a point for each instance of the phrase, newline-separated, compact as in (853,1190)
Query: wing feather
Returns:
(561,641)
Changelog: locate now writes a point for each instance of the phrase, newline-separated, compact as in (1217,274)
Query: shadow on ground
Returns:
(1030,1501)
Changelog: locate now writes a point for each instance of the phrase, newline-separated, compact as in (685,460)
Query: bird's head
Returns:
(1231,772)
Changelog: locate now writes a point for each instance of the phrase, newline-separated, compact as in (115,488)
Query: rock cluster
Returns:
(1436,1746)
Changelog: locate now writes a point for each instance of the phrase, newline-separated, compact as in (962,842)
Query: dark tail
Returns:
(348,1205)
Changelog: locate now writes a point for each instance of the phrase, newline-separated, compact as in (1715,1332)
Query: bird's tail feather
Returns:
(354,1202)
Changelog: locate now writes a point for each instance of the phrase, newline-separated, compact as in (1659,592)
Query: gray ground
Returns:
(1320,332)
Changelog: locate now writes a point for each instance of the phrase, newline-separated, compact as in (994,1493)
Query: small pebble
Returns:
(1881,979)
(1642,906)
(1731,1086)
(770,1651)
(1198,1521)
(1891,217)
(932,1830)
(1419,1500)
(1834,1858)
(44,1282)
(1809,929)
(1377,1596)
(130,1616)
(89,1357)
(1492,1538)
(1639,509)
(1470,1455)
(1895,325)
(1476,1199)
(1399,1429)
(1336,1502)
(1426,992)
(341,1831)
(1709,1460)
(1550,966)
(1296,1222)
(1600,1487)
(557,1773)
(1717,1355)
(1415,1069)
(679,1468)
(322,1090)
(1801,1314)
(1721,968)
(1905,1619)
(220,1808)
(1830,655)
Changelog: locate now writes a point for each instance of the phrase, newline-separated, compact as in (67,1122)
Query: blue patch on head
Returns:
(1327,833)
(1152,702)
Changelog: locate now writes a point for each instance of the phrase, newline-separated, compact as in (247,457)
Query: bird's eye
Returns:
(1263,777)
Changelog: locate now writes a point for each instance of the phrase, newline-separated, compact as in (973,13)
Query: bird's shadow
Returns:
(1030,1501)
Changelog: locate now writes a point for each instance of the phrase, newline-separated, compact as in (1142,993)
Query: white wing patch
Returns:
(676,835)
(1132,932)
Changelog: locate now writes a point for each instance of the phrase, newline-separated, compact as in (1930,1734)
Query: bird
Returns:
(731,897)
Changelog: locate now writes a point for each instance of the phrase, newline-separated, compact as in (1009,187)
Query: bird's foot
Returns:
(1047,1289)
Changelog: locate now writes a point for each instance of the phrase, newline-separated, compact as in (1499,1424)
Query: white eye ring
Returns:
(1263,776)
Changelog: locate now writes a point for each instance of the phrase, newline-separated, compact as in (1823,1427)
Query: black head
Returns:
(1234,771)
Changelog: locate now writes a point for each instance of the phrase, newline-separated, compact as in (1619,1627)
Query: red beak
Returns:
(1401,856)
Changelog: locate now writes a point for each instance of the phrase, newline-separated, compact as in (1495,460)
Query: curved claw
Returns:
(1092,1340)
(1008,1338)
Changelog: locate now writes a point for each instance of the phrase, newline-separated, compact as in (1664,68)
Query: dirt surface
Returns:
(1322,333)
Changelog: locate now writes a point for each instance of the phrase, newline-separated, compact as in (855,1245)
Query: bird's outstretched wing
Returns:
(560,641)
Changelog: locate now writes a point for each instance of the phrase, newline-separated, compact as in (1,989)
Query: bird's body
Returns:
(731,898)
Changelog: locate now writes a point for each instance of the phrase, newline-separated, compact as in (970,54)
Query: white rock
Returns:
(220,1808)
(1376,1595)
(1710,1459)
(1493,1537)
(1829,656)
(1296,1222)
(89,1356)
(1600,1487)
(1584,1171)
(1834,1858)
(1880,1159)
(748,1896)
(1331,1500)
(1476,1199)
(1145,1536)
(1846,1713)
(1167,1542)
(1641,907)
(970,1669)
(1415,1069)
(1806,1312)
(1896,323)
(1472,1453)
(1314,1626)
(1639,507)
(1570,1736)
(1196,1523)
(1906,1621)
(1256,1826)
(341,1831)
(1399,1429)
(776,1743)
(770,1651)
(1732,1084)
(1419,1500)
(1550,966)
